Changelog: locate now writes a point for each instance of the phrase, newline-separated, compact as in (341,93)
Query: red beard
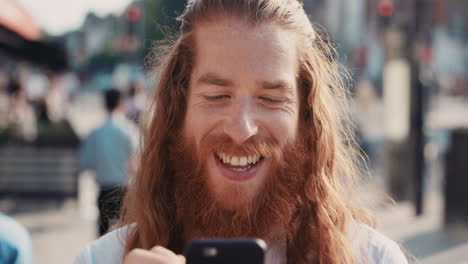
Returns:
(267,215)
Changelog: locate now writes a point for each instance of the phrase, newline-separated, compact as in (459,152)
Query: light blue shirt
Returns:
(15,243)
(108,149)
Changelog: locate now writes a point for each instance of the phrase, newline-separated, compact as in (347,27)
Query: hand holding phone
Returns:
(226,251)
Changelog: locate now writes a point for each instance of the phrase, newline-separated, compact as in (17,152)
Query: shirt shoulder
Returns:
(15,242)
(375,248)
(109,248)
(128,129)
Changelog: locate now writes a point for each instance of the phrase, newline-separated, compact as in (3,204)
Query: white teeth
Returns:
(235,161)
(239,161)
(255,158)
(243,161)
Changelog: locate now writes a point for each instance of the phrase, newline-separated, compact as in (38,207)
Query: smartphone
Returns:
(226,251)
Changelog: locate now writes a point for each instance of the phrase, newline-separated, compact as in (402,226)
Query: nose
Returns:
(240,125)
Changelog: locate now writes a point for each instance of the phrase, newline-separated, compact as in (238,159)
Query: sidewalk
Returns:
(59,229)
(425,237)
(58,235)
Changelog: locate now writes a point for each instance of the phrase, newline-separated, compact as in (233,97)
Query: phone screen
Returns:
(228,251)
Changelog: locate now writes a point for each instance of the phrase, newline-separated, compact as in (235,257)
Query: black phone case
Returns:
(243,251)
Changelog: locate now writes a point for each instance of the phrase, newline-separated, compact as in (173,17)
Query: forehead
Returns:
(240,51)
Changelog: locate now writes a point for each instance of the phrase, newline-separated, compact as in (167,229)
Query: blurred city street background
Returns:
(409,64)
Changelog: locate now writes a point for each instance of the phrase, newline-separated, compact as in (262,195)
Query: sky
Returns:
(58,16)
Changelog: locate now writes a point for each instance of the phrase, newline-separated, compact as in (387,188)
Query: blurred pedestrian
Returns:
(135,102)
(21,117)
(108,151)
(15,243)
(56,99)
(367,114)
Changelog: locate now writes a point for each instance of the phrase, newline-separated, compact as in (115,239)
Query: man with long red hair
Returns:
(250,137)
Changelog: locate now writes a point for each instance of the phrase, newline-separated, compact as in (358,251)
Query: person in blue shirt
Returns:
(108,151)
(15,243)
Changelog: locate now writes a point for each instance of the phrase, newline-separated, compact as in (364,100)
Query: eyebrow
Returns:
(278,85)
(214,79)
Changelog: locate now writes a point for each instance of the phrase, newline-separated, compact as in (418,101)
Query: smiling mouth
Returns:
(238,168)
(238,163)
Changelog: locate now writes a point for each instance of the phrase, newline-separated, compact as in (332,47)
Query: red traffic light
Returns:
(386,8)
(133,13)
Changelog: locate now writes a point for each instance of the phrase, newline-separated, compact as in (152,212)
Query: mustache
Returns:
(256,145)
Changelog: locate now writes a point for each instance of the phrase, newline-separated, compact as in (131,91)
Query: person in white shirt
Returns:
(250,138)
(108,151)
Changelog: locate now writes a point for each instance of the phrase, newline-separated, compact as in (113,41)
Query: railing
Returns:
(38,171)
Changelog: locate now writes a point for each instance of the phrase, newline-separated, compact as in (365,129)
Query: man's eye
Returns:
(271,100)
(217,97)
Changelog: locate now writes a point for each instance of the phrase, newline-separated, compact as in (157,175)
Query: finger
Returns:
(140,256)
(181,259)
(162,250)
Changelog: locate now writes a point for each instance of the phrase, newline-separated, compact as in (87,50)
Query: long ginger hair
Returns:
(327,197)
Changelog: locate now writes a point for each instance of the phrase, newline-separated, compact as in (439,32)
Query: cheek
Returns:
(282,127)
(199,122)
